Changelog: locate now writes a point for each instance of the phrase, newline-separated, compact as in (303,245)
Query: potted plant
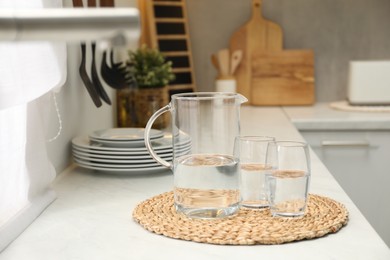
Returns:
(151,74)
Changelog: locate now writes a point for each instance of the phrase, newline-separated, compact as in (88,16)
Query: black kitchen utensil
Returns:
(83,70)
(94,74)
(86,80)
(95,78)
(116,75)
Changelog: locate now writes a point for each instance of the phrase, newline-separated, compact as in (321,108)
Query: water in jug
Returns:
(206,178)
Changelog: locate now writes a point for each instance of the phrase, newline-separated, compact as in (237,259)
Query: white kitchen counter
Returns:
(91,219)
(322,117)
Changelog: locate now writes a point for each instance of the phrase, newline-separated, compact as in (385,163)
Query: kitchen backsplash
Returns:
(337,30)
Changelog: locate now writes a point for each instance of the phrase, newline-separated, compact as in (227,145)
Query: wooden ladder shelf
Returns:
(165,27)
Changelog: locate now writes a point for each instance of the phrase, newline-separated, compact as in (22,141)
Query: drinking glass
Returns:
(251,152)
(288,180)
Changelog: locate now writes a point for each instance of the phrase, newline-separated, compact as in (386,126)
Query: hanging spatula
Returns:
(94,74)
(83,70)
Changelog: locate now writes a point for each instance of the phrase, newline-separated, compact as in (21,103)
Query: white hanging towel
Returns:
(28,70)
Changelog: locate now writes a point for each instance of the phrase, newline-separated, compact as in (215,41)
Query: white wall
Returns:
(337,31)
(78,113)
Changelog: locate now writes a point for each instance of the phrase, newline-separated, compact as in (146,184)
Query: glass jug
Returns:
(206,174)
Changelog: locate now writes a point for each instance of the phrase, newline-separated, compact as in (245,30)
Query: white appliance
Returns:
(369,83)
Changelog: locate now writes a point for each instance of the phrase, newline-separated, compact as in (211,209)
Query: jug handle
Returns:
(148,142)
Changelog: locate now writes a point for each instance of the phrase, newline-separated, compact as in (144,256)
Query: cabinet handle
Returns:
(345,143)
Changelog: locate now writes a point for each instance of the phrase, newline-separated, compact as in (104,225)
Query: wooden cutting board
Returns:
(283,77)
(257,34)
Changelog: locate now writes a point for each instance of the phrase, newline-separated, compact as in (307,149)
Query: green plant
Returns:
(149,68)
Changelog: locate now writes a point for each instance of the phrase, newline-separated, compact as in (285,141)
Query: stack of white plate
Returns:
(122,150)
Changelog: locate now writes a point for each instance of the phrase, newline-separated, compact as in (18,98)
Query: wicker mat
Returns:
(248,227)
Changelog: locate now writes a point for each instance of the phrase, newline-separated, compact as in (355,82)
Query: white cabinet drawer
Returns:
(360,162)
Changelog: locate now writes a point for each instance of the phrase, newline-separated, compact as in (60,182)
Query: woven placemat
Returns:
(248,227)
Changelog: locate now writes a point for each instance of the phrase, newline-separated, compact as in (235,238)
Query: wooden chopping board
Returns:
(257,34)
(283,77)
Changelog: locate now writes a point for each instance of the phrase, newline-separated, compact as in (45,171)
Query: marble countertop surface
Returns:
(322,117)
(91,218)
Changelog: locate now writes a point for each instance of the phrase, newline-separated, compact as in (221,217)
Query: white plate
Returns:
(159,145)
(125,171)
(127,156)
(84,142)
(125,134)
(135,153)
(120,157)
(121,162)
(139,155)
(108,165)
(123,144)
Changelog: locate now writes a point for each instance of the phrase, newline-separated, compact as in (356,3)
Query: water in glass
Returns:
(288,192)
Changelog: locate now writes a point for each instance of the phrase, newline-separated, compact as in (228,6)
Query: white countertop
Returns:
(322,117)
(91,218)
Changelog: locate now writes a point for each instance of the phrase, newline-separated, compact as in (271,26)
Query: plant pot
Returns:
(136,106)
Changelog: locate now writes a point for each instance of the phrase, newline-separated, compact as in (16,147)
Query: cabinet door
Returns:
(360,162)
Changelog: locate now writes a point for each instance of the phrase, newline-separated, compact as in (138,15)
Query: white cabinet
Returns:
(360,162)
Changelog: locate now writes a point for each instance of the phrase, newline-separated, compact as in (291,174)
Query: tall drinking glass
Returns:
(252,154)
(288,181)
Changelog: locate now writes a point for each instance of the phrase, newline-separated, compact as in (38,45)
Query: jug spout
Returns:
(241,99)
